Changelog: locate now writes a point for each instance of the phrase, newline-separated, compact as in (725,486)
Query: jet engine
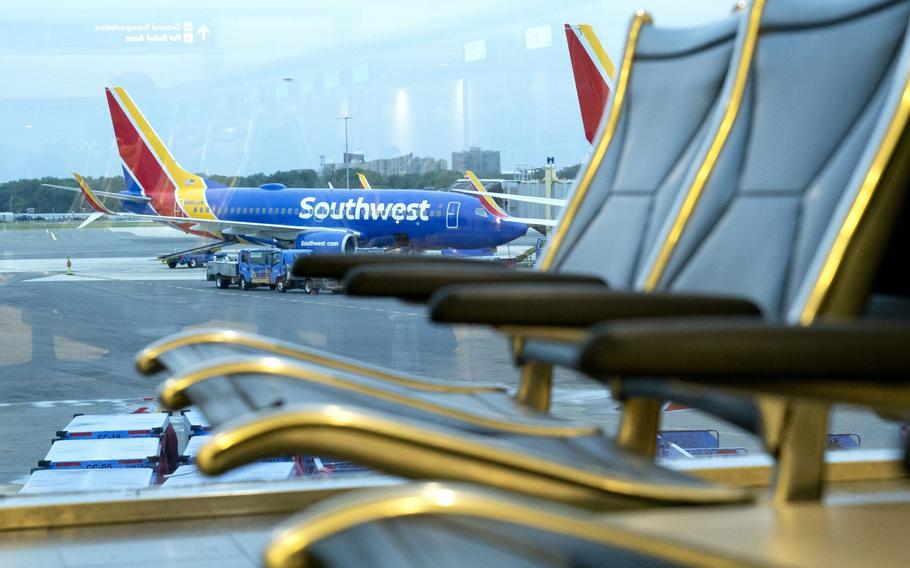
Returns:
(327,242)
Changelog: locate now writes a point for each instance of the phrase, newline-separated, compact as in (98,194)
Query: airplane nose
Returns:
(516,229)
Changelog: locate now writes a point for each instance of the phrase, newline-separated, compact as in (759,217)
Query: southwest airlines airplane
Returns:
(159,189)
(328,220)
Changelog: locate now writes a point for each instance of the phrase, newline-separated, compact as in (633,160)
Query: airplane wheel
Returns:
(192,263)
(281,286)
(244,285)
(307,286)
(172,264)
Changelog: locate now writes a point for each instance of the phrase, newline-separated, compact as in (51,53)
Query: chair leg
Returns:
(801,453)
(536,385)
(638,426)
(773,412)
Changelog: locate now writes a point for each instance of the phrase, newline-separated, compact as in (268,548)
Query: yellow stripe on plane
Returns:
(364,182)
(599,50)
(90,196)
(483,190)
(190,193)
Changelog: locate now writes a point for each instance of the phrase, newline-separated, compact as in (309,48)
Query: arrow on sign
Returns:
(203,32)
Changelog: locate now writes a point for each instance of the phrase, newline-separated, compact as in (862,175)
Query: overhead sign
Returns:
(145,33)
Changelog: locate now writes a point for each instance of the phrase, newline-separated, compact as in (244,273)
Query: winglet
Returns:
(90,219)
(90,196)
(484,198)
(331,186)
(364,182)
(594,71)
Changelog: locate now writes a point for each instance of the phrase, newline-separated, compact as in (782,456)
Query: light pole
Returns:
(347,159)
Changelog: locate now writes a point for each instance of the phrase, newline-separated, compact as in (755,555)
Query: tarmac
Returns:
(67,342)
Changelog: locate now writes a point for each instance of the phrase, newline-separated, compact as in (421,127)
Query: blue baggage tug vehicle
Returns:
(253,267)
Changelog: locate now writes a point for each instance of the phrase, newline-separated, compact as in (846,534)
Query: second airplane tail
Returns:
(485,200)
(594,71)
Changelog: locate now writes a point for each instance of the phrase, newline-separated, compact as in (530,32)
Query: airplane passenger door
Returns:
(452,215)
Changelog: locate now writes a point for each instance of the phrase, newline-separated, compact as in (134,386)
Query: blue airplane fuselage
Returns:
(420,219)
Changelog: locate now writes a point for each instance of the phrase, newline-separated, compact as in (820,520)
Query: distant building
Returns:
(407,164)
(480,161)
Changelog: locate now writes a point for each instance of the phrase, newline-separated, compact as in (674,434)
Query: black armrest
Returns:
(418,282)
(724,350)
(337,265)
(569,304)
(741,354)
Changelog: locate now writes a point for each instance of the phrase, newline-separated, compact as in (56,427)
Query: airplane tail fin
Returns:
(90,196)
(149,168)
(99,209)
(594,72)
(364,182)
(485,200)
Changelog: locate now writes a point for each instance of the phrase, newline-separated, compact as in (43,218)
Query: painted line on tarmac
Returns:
(284,298)
(70,403)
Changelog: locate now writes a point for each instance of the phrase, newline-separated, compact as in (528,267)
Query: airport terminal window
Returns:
(306,95)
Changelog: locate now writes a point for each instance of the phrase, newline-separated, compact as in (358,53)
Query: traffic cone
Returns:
(69,266)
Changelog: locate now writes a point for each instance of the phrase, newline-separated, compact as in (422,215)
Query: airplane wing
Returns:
(223,226)
(108,194)
(544,222)
(517,197)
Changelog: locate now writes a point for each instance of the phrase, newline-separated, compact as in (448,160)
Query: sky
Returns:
(240,89)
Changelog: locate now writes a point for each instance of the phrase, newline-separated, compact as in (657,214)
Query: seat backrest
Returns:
(668,84)
(813,99)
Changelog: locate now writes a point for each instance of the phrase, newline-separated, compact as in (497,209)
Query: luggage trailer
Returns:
(108,453)
(43,481)
(140,425)
(258,471)
(194,423)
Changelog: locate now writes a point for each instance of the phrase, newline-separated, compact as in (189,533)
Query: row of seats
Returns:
(719,249)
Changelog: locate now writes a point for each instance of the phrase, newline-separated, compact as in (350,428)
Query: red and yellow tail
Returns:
(90,196)
(485,200)
(594,72)
(150,167)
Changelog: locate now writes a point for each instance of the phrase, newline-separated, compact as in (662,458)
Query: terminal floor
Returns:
(211,543)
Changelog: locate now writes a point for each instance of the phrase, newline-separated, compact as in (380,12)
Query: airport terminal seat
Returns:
(459,525)
(832,278)
(818,194)
(862,362)
(630,195)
